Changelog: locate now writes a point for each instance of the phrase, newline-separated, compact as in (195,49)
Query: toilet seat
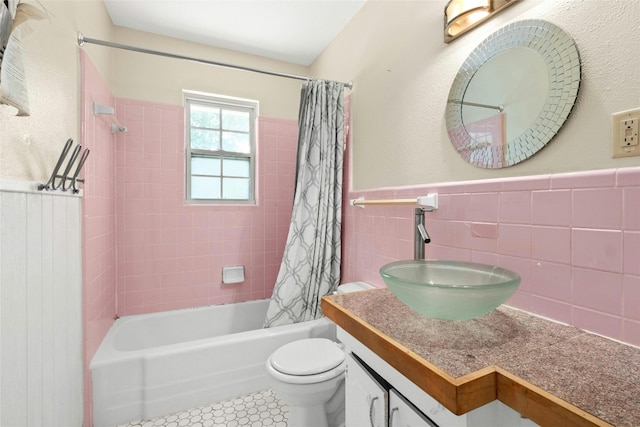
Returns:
(305,357)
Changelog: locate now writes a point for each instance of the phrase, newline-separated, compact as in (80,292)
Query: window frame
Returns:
(224,103)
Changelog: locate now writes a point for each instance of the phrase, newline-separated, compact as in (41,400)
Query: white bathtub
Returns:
(155,364)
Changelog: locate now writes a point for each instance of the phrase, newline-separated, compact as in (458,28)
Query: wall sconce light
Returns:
(461,16)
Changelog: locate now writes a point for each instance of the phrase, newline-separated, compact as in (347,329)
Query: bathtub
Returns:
(156,364)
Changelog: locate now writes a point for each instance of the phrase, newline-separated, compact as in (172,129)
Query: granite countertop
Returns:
(552,373)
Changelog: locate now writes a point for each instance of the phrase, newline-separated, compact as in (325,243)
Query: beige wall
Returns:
(392,51)
(153,78)
(30,146)
(402,70)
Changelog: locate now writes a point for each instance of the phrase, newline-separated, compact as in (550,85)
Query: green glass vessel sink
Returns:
(451,290)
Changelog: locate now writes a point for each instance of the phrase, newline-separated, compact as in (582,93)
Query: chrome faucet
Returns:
(421,237)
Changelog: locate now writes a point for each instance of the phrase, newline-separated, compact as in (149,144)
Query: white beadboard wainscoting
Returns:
(40,307)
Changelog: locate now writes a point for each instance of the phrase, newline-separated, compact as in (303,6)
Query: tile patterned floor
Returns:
(260,409)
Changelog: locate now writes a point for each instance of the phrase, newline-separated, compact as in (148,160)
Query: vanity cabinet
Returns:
(378,395)
(371,402)
(366,396)
(403,414)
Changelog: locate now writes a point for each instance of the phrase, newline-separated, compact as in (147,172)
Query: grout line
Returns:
(259,409)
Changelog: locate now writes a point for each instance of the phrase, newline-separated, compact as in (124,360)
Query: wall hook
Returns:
(66,182)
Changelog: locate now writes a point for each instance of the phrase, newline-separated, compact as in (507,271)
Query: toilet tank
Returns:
(346,288)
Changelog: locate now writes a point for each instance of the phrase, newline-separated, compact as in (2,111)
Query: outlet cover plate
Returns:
(618,149)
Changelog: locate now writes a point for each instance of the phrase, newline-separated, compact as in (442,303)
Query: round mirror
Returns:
(513,94)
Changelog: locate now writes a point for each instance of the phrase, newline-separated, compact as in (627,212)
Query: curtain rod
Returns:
(82,40)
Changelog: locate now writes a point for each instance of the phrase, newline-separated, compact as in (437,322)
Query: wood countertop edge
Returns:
(541,406)
(459,395)
(466,393)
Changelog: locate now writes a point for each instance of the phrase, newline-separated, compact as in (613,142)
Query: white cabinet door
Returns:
(510,418)
(403,414)
(366,398)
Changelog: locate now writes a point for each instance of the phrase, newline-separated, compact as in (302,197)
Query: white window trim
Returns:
(230,103)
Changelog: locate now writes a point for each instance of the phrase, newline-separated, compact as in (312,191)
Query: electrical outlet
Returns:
(624,133)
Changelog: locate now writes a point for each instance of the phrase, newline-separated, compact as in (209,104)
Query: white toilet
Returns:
(308,374)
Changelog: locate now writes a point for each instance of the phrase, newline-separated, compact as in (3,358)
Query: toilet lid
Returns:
(307,357)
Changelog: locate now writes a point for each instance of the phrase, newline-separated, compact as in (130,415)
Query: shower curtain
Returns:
(310,265)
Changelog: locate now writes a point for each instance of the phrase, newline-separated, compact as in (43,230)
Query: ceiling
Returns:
(294,31)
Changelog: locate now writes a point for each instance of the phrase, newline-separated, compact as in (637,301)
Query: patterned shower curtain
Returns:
(310,265)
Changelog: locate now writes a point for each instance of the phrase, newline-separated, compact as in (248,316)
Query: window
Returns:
(220,149)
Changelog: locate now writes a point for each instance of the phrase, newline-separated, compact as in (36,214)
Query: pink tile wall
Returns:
(574,238)
(170,255)
(99,220)
(144,249)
